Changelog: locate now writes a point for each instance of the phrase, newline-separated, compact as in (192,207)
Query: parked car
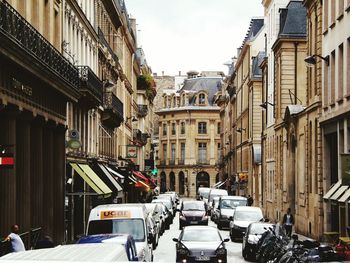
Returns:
(168,204)
(171,197)
(203,193)
(243,216)
(166,216)
(155,211)
(194,246)
(153,229)
(175,196)
(226,207)
(126,240)
(192,213)
(215,209)
(251,238)
(126,219)
(212,193)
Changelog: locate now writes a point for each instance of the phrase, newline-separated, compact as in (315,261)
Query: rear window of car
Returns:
(248,215)
(231,203)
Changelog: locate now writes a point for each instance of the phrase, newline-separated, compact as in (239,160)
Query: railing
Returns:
(144,137)
(105,42)
(29,239)
(16,28)
(202,161)
(172,161)
(162,162)
(89,81)
(137,134)
(142,110)
(111,102)
(181,162)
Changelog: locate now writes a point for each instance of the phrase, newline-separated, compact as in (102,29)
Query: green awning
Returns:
(91,178)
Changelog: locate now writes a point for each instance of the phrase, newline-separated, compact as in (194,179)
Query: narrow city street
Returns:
(165,252)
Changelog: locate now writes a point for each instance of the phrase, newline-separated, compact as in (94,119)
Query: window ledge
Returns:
(332,24)
(325,32)
(340,100)
(347,9)
(340,16)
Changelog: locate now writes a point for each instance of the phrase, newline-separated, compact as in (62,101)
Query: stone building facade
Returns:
(189,136)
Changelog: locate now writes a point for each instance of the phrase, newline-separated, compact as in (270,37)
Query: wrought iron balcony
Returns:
(90,85)
(181,162)
(140,137)
(162,162)
(202,161)
(113,113)
(142,110)
(104,41)
(172,161)
(28,46)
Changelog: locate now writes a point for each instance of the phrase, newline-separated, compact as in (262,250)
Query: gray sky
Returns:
(182,35)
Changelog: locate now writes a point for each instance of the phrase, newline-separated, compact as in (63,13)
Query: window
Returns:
(183,147)
(202,128)
(340,72)
(183,129)
(332,77)
(202,152)
(173,151)
(332,13)
(173,129)
(164,151)
(219,128)
(348,68)
(340,8)
(325,15)
(164,129)
(219,151)
(201,99)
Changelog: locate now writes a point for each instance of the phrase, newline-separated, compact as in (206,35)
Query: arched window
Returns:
(201,99)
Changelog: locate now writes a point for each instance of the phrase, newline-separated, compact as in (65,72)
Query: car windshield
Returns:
(248,216)
(231,203)
(197,235)
(134,227)
(258,229)
(193,206)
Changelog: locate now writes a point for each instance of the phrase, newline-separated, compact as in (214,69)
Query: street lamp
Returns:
(264,105)
(311,60)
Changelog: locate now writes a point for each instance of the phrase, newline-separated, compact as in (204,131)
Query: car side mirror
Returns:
(226,240)
(201,197)
(231,218)
(266,220)
(161,217)
(157,221)
(175,240)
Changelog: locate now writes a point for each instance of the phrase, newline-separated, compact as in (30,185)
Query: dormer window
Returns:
(201,99)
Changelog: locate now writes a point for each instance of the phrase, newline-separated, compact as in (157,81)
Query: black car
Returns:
(192,213)
(194,246)
(251,238)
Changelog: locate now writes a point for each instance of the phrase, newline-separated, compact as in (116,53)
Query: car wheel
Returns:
(244,254)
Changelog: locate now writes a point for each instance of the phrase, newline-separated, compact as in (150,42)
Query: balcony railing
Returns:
(181,162)
(142,110)
(90,85)
(202,161)
(140,137)
(172,161)
(16,29)
(114,112)
(162,162)
(104,41)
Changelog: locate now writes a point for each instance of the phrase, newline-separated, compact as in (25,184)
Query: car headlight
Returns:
(253,239)
(205,217)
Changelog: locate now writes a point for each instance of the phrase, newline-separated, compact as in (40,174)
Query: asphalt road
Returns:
(165,252)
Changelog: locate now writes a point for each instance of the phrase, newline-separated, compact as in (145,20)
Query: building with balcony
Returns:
(36,82)
(189,135)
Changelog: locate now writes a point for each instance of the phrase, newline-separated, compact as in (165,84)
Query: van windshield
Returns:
(231,203)
(134,227)
(248,216)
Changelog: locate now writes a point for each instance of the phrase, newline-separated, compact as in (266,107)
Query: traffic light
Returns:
(154,171)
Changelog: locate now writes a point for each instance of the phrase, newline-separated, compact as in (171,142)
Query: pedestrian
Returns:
(17,244)
(288,222)
(250,200)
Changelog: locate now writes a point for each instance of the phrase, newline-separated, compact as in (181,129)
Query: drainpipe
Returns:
(295,72)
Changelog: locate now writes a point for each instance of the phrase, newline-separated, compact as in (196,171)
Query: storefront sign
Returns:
(114,214)
(345,167)
(131,151)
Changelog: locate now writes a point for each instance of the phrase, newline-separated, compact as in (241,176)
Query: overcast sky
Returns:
(183,35)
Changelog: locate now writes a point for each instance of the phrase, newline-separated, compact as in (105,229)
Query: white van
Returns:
(123,219)
(106,252)
(213,193)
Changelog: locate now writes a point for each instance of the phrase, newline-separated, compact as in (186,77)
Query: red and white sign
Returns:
(6,161)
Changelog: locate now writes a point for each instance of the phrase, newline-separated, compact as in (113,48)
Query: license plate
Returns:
(202,258)
(194,222)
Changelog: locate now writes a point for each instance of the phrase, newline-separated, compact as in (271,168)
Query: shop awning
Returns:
(140,175)
(339,192)
(115,173)
(91,178)
(110,178)
(132,179)
(219,184)
(332,190)
(345,196)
